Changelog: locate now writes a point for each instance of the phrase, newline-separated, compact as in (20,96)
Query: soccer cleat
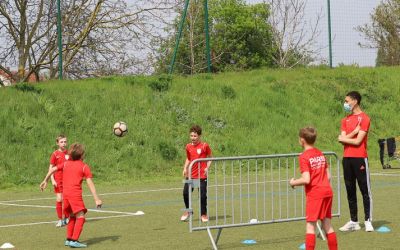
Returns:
(67,243)
(204,218)
(368,226)
(185,216)
(76,244)
(350,226)
(65,222)
(59,223)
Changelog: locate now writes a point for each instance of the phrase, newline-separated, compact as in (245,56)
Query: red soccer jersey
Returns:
(58,158)
(349,123)
(314,162)
(73,174)
(193,152)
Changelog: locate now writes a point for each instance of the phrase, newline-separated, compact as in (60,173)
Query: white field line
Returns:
(103,194)
(54,222)
(92,210)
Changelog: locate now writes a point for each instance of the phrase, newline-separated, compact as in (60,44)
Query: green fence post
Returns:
(330,34)
(178,38)
(59,35)
(207,36)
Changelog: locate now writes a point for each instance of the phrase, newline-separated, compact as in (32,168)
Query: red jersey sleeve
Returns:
(343,126)
(187,152)
(86,172)
(304,164)
(53,159)
(364,123)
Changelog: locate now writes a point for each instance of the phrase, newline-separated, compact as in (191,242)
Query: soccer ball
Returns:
(120,129)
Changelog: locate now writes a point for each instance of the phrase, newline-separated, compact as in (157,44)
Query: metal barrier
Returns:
(253,190)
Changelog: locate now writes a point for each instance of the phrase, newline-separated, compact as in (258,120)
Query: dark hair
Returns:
(355,96)
(309,134)
(196,129)
(76,151)
(60,136)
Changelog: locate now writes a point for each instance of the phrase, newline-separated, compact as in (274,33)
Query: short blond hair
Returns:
(59,137)
(309,134)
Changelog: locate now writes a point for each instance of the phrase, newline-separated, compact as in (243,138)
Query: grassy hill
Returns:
(246,113)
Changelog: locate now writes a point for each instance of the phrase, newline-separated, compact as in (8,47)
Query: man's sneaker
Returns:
(76,244)
(368,226)
(350,226)
(204,218)
(185,216)
(65,222)
(59,223)
(67,243)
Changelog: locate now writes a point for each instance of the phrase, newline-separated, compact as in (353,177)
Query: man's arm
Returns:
(303,180)
(356,141)
(92,188)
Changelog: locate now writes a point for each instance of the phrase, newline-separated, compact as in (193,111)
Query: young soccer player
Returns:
(196,149)
(315,178)
(74,171)
(58,157)
(354,137)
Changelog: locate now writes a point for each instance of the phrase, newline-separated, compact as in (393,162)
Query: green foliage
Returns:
(168,152)
(228,92)
(161,84)
(264,117)
(240,38)
(384,33)
(26,87)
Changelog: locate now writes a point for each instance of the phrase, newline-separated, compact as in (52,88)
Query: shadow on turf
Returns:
(213,218)
(101,239)
(380,223)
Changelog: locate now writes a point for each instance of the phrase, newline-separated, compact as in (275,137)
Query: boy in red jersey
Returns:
(58,157)
(354,137)
(74,171)
(196,150)
(315,177)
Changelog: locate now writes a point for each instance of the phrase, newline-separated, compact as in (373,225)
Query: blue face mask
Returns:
(347,107)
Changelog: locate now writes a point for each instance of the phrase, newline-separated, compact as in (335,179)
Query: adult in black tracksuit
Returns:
(354,136)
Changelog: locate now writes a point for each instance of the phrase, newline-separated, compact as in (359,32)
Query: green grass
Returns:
(160,227)
(246,113)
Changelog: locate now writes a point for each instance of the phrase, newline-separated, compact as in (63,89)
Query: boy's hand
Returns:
(99,203)
(184,173)
(291,182)
(43,185)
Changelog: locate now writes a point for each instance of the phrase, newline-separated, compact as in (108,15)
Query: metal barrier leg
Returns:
(214,243)
(320,232)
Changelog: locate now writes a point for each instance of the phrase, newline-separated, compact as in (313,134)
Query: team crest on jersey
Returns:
(66,157)
(199,151)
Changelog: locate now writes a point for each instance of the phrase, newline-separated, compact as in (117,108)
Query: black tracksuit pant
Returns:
(203,195)
(357,170)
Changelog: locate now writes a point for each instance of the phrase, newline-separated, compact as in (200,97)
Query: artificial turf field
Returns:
(28,221)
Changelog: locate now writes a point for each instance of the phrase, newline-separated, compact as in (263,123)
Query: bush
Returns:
(228,92)
(161,84)
(168,152)
(26,87)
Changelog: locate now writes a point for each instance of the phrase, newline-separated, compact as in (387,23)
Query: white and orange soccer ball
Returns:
(120,129)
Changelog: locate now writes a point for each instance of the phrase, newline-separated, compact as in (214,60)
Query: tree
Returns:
(383,33)
(294,37)
(100,37)
(240,38)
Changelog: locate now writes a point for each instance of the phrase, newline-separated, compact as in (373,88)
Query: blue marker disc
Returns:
(249,242)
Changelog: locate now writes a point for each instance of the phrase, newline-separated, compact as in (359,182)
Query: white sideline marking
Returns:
(103,194)
(92,210)
(385,174)
(54,222)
